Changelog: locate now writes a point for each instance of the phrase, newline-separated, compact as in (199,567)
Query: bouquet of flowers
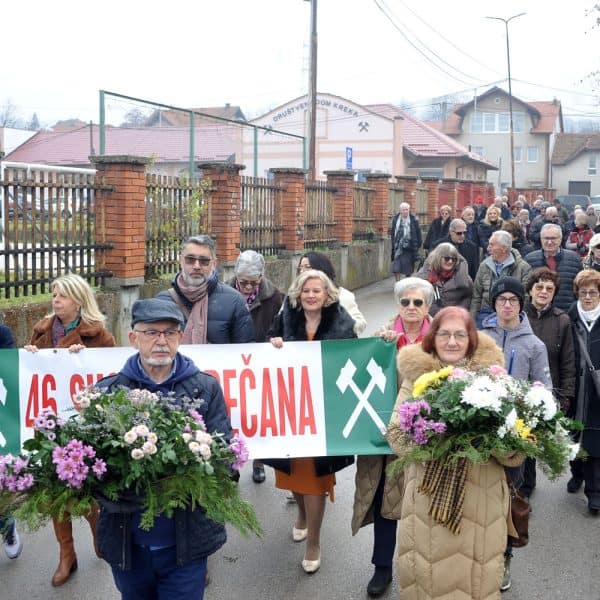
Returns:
(134,447)
(14,481)
(457,414)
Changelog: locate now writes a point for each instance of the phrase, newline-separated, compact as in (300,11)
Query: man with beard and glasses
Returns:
(214,312)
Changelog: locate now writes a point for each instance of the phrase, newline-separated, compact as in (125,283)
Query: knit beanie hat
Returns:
(508,284)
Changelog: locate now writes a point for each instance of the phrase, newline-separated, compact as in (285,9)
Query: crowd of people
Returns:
(518,286)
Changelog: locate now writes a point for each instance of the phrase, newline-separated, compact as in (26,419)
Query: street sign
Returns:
(348,157)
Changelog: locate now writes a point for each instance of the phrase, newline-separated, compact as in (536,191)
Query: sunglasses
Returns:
(415,301)
(450,258)
(202,260)
(460,232)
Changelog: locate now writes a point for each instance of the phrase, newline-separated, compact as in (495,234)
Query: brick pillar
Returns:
(293,182)
(124,214)
(433,207)
(410,190)
(380,183)
(225,199)
(452,186)
(343,182)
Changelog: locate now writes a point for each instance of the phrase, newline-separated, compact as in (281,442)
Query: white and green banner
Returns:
(305,399)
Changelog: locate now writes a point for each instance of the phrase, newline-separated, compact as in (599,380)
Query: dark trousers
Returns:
(529,477)
(384,531)
(588,471)
(154,575)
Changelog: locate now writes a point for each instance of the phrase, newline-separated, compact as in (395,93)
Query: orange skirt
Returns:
(303,479)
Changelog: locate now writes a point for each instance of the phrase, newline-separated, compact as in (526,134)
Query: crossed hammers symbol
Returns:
(345,380)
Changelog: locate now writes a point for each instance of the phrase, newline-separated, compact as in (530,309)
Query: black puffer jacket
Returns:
(438,229)
(229,320)
(568,264)
(195,535)
(290,324)
(553,327)
(485,232)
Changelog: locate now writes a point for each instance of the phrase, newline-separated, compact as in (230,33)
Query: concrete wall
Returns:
(356,265)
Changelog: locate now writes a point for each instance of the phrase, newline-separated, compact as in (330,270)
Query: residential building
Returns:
(576,164)
(11,137)
(483,125)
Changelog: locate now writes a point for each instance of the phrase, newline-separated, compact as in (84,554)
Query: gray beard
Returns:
(193,280)
(157,362)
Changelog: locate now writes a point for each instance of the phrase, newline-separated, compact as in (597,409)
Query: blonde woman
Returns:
(74,323)
(491,223)
(310,312)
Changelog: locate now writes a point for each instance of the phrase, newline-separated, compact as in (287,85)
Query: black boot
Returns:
(379,582)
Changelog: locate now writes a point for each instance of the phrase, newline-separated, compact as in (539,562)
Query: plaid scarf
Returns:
(444,482)
(195,328)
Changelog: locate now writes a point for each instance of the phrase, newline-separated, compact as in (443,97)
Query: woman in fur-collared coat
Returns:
(433,562)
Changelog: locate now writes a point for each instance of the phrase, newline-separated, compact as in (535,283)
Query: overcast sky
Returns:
(254,53)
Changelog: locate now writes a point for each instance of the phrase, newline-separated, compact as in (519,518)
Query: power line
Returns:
(447,40)
(427,58)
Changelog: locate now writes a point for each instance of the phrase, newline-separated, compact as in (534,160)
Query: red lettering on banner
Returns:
(287,401)
(247,381)
(78,383)
(307,413)
(246,359)
(268,419)
(40,391)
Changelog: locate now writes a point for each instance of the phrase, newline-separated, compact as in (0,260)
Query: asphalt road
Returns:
(560,562)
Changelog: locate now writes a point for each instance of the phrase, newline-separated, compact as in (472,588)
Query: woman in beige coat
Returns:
(432,561)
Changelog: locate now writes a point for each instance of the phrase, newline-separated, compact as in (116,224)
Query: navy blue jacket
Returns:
(195,535)
(568,264)
(6,337)
(229,320)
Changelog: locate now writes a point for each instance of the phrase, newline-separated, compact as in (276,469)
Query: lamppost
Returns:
(510,109)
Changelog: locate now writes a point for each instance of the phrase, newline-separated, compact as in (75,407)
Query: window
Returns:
(478,150)
(476,122)
(518,154)
(532,154)
(592,168)
(496,122)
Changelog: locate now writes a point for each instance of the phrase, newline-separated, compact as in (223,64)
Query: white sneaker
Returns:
(13,544)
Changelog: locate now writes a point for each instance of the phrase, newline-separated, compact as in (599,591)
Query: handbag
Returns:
(519,512)
(594,373)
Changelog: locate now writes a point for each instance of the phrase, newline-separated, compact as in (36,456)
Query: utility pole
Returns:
(510,108)
(312,91)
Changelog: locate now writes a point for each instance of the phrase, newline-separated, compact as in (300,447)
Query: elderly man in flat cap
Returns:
(169,560)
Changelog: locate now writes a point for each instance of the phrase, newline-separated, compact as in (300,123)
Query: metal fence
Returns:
(175,209)
(319,220)
(261,215)
(363,220)
(49,227)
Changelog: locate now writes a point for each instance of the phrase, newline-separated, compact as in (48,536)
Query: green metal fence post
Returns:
(255,136)
(192,145)
(102,123)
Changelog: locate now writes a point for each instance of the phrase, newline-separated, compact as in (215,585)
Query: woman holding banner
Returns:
(311,311)
(74,323)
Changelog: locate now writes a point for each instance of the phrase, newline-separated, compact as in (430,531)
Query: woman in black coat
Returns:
(553,326)
(491,223)
(439,228)
(311,311)
(585,315)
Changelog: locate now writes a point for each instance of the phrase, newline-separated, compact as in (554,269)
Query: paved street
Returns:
(561,561)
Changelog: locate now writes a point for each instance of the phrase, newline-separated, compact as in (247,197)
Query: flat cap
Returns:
(154,309)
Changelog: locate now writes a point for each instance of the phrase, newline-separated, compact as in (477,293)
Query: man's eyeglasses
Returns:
(459,336)
(243,283)
(550,239)
(503,300)
(459,232)
(154,334)
(203,261)
(418,302)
